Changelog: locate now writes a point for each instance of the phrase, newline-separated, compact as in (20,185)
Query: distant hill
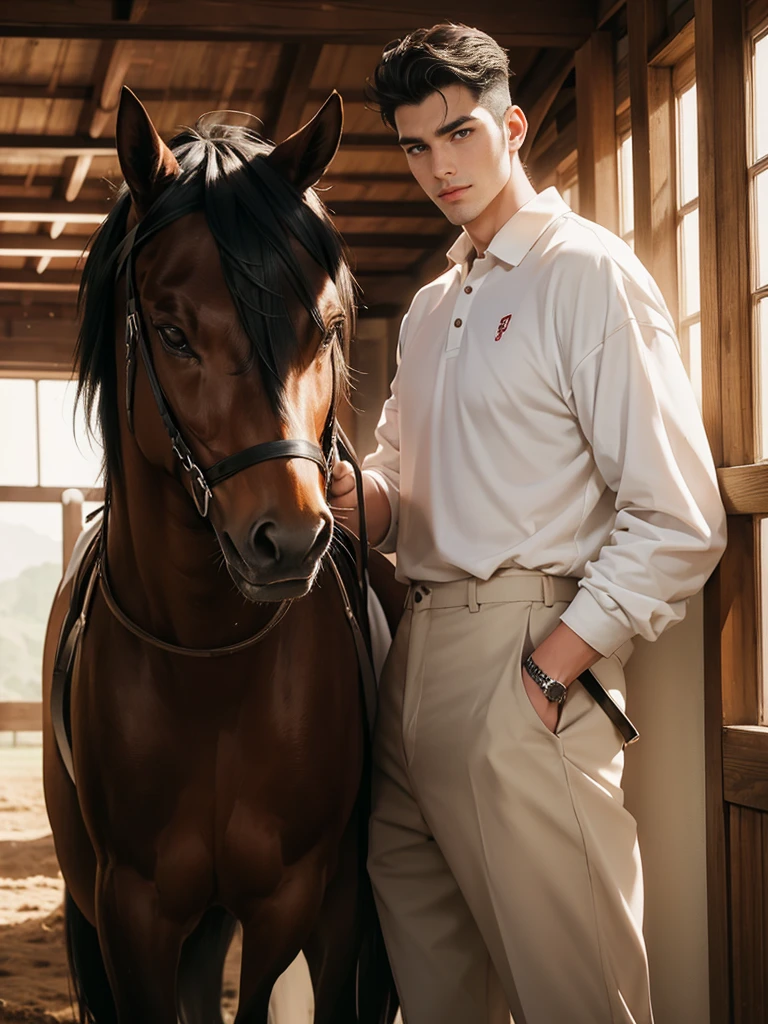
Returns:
(24,606)
(21,547)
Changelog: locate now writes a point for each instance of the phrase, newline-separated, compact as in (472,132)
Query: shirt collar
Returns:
(516,238)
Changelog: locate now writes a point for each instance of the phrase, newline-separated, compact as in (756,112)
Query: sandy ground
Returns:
(34,982)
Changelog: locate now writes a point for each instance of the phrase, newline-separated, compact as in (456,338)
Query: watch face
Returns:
(556,692)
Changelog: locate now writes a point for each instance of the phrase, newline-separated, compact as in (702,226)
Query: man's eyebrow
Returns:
(412,140)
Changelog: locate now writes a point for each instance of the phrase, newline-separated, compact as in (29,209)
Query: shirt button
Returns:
(468,289)
(417,597)
(457,322)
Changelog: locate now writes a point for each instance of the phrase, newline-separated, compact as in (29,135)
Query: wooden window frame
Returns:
(10,493)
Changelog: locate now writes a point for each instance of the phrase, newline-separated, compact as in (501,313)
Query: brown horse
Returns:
(215,723)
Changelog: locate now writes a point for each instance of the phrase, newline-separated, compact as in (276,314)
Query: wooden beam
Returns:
(596,132)
(42,245)
(46,494)
(730,657)
(20,209)
(539,89)
(54,147)
(546,162)
(383,240)
(306,57)
(41,148)
(30,356)
(380,208)
(554,23)
(745,766)
(28,280)
(646,20)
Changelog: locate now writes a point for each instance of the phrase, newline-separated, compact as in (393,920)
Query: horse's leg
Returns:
(331,949)
(201,966)
(141,947)
(272,936)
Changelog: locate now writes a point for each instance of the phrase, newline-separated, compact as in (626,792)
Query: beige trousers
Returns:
(506,869)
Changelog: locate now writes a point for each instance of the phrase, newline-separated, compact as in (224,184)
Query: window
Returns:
(626,190)
(757,148)
(568,184)
(51,446)
(688,230)
(49,449)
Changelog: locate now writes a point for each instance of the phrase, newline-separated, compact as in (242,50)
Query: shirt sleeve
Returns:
(637,410)
(384,463)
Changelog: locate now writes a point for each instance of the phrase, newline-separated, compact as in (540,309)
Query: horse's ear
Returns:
(305,156)
(147,164)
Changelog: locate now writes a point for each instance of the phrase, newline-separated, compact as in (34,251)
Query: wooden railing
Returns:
(27,716)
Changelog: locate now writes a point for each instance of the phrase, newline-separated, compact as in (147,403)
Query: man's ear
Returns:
(147,164)
(305,156)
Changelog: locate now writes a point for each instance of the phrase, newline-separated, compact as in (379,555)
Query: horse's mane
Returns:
(253,213)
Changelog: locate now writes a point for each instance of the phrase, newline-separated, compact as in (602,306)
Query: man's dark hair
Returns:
(430,59)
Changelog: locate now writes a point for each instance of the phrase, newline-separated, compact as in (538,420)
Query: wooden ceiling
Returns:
(63,64)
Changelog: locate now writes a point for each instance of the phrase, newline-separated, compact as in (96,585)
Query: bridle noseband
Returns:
(202,481)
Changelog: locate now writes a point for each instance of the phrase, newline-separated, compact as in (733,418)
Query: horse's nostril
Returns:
(264,541)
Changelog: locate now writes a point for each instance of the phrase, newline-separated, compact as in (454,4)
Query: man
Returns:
(543,474)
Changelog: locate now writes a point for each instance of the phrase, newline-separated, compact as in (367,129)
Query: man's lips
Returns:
(449,195)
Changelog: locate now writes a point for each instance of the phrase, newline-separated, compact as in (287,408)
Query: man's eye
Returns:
(172,337)
(462,133)
(415,150)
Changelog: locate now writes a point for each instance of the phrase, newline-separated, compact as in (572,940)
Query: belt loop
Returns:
(549,591)
(472,595)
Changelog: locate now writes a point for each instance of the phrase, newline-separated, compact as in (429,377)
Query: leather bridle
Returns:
(202,481)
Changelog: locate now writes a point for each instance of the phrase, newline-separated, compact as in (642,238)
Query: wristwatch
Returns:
(550,687)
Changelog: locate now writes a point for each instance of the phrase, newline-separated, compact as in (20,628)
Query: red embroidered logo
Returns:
(503,325)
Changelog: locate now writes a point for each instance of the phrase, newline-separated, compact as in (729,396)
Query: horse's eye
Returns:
(173,337)
(335,333)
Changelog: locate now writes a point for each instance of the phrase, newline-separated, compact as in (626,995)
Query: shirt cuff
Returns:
(600,623)
(388,544)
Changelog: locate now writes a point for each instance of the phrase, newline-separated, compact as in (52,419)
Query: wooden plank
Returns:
(749,913)
(645,21)
(28,280)
(21,716)
(745,766)
(31,356)
(663,181)
(381,208)
(671,51)
(723,225)
(54,147)
(715,808)
(380,240)
(596,132)
(539,89)
(84,211)
(744,488)
(563,148)
(306,57)
(555,22)
(71,246)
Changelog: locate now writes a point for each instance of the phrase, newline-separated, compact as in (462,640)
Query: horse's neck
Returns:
(166,568)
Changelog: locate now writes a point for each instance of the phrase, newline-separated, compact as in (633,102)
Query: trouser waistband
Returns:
(505,585)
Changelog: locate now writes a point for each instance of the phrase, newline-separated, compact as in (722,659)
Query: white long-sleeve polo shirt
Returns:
(541,417)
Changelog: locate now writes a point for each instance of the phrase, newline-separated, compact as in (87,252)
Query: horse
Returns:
(205,740)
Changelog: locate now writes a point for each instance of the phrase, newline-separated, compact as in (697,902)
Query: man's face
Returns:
(461,156)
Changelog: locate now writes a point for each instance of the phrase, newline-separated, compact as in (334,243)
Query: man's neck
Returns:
(516,193)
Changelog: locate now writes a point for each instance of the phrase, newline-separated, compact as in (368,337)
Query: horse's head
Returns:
(245,305)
